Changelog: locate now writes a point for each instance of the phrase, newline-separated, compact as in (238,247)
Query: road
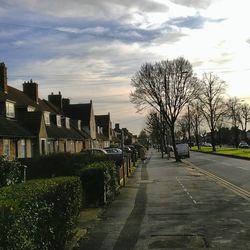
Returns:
(169,205)
(236,171)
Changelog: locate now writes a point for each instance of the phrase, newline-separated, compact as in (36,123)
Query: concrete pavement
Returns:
(169,205)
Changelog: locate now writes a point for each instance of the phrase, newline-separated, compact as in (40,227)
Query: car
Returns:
(183,150)
(113,151)
(95,151)
(206,144)
(243,145)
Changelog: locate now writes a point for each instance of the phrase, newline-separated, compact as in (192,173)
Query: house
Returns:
(31,126)
(85,113)
(104,130)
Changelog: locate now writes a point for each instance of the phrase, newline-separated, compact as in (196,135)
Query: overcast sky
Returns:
(90,49)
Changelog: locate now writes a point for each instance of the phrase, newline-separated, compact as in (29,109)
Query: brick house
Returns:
(31,126)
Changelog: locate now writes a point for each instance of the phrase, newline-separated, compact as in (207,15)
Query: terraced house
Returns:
(30,126)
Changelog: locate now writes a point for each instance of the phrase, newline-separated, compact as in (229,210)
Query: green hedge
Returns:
(10,172)
(59,164)
(39,214)
(99,182)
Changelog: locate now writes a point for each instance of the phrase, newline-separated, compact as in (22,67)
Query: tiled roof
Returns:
(62,133)
(13,129)
(79,112)
(32,121)
(102,120)
(18,97)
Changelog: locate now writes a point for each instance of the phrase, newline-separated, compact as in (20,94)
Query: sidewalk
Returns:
(169,205)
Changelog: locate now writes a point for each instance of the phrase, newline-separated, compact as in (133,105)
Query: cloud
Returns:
(199,4)
(192,22)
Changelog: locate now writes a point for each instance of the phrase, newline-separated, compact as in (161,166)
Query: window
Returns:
(10,110)
(6,147)
(30,109)
(58,121)
(46,118)
(67,122)
(79,123)
(21,148)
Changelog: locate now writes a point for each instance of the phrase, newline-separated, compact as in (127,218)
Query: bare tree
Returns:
(244,117)
(211,98)
(196,118)
(234,109)
(167,87)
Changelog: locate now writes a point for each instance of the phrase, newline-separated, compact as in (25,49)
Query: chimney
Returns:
(117,126)
(65,102)
(31,90)
(3,78)
(56,100)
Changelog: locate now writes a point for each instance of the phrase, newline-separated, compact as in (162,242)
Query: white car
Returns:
(183,150)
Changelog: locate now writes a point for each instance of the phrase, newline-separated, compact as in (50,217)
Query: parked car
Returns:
(113,151)
(243,144)
(94,151)
(206,144)
(183,150)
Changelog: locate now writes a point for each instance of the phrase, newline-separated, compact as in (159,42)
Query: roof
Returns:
(48,106)
(79,112)
(18,97)
(102,120)
(13,129)
(62,133)
(32,121)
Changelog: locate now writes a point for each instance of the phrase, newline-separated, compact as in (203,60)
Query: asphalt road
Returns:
(168,205)
(236,171)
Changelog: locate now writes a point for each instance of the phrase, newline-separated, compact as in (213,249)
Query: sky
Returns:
(90,49)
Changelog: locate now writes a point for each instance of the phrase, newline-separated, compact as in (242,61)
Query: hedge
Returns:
(39,214)
(10,172)
(59,164)
(99,182)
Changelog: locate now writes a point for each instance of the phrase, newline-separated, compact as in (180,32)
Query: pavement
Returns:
(170,205)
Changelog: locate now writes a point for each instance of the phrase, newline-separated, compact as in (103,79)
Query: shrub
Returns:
(59,164)
(99,182)
(10,172)
(39,214)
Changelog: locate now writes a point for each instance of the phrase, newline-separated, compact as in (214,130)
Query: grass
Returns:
(237,152)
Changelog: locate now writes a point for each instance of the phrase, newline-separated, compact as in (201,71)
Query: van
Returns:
(183,150)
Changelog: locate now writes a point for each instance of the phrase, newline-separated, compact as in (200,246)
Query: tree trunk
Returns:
(177,158)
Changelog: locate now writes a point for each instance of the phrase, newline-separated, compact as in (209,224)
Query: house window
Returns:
(79,124)
(58,121)
(67,122)
(10,110)
(47,118)
(21,148)
(6,147)
(30,109)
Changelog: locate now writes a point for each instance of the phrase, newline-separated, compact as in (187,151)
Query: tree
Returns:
(166,86)
(211,99)
(244,117)
(233,113)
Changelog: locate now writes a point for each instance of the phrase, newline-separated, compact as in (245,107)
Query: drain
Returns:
(190,241)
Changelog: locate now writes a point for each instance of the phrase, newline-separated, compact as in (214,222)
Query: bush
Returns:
(99,182)
(58,164)
(10,172)
(39,214)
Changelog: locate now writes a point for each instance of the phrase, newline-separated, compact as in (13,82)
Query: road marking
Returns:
(236,189)
(186,191)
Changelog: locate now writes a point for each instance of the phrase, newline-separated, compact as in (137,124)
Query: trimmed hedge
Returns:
(39,214)
(59,164)
(99,182)
(10,172)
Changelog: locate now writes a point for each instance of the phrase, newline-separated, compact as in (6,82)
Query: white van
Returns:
(183,150)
